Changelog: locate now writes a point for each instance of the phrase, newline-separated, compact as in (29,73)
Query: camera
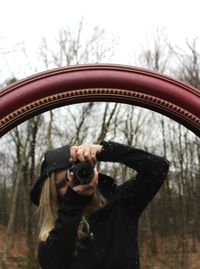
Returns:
(83,172)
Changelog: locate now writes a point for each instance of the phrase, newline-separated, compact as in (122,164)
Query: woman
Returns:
(93,225)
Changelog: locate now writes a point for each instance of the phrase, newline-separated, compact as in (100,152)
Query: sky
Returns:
(133,22)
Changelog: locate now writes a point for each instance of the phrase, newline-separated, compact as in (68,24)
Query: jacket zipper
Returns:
(92,238)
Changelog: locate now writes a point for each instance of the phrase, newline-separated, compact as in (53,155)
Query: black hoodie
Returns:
(114,228)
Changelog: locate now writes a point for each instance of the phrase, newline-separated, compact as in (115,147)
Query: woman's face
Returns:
(61,182)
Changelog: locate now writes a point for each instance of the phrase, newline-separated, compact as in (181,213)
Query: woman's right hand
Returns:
(85,152)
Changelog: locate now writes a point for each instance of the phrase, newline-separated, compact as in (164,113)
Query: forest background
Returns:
(169,234)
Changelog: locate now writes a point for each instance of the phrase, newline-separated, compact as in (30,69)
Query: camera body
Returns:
(83,172)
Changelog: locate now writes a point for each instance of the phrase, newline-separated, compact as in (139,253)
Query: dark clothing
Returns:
(54,160)
(113,241)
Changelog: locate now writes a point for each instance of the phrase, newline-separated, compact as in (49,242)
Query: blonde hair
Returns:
(49,206)
(47,209)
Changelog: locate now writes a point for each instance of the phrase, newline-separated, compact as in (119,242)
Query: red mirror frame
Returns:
(101,82)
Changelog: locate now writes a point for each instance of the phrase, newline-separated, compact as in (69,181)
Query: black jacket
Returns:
(113,241)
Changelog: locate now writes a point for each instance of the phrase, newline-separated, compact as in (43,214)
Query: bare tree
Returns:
(32,138)
(158,57)
(71,47)
(189,63)
(24,165)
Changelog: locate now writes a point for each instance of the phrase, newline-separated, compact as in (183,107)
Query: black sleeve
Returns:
(57,250)
(152,170)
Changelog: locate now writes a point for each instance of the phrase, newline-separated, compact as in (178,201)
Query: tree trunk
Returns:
(10,226)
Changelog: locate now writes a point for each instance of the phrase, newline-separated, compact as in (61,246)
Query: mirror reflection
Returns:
(168,229)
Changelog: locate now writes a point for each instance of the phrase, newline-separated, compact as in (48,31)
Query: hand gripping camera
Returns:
(83,172)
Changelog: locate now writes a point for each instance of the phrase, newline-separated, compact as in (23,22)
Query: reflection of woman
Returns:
(93,225)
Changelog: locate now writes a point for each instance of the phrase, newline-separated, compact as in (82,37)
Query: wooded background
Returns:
(169,233)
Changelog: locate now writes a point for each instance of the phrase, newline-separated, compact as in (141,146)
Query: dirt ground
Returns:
(167,257)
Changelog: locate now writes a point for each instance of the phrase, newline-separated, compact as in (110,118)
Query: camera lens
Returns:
(83,172)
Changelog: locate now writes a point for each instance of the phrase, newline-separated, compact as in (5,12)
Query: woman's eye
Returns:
(61,184)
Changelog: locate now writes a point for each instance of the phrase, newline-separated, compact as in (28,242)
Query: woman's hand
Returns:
(84,189)
(85,152)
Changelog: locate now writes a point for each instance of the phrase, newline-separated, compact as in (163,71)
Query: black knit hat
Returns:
(56,159)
